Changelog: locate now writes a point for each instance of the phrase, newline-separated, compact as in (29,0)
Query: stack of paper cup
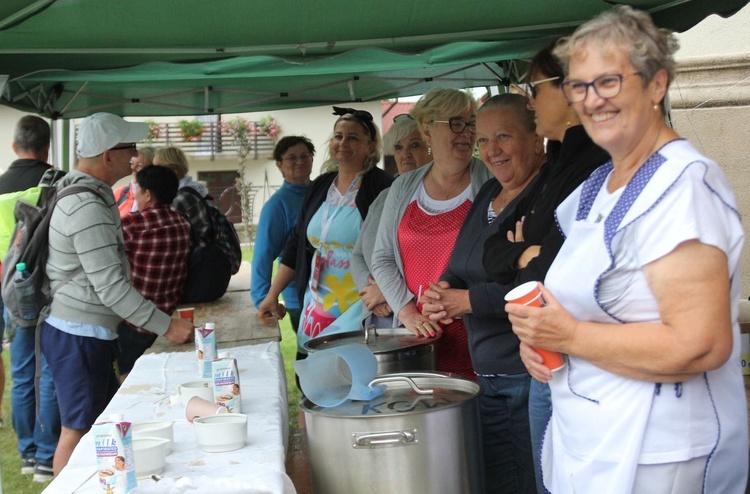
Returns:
(530,294)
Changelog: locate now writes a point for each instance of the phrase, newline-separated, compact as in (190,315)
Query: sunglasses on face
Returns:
(533,84)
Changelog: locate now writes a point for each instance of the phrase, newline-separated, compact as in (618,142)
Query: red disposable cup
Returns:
(187,314)
(553,360)
(526,294)
(530,294)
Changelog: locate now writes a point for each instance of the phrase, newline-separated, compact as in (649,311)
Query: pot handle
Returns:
(380,439)
(369,328)
(407,380)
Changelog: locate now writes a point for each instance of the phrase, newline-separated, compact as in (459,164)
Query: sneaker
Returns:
(42,473)
(27,466)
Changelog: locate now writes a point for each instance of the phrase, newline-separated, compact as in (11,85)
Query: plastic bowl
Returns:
(219,433)
(156,428)
(150,455)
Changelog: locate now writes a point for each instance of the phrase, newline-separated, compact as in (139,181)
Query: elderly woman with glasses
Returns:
(421,218)
(125,195)
(404,141)
(643,294)
(318,254)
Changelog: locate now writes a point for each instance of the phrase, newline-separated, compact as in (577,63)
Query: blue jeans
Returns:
(37,436)
(540,411)
(508,464)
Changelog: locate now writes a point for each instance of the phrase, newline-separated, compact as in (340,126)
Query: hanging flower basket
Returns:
(191,130)
(155,130)
(269,127)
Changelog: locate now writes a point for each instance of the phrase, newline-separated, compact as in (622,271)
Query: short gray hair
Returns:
(148,152)
(515,102)
(650,48)
(401,128)
(32,134)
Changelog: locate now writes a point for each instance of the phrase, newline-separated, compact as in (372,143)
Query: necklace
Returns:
(439,191)
(503,198)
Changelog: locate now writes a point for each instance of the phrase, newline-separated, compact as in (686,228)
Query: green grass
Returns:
(13,481)
(10,465)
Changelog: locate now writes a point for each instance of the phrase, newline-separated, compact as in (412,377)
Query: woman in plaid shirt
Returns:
(157,243)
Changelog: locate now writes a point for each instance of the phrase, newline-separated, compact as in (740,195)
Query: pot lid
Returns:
(378,341)
(405,394)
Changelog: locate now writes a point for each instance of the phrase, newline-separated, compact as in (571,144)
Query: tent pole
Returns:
(60,144)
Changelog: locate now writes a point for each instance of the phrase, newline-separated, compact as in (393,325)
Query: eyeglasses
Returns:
(293,159)
(402,116)
(130,147)
(533,84)
(606,86)
(458,126)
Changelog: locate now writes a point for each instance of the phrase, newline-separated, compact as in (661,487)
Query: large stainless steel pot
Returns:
(396,349)
(421,436)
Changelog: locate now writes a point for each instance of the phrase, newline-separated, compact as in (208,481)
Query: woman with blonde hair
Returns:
(209,267)
(421,218)
(651,398)
(404,141)
(318,254)
(186,203)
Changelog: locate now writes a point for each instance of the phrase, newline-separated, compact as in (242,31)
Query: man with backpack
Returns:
(86,247)
(37,434)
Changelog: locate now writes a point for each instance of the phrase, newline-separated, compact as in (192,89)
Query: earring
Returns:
(429,150)
(656,107)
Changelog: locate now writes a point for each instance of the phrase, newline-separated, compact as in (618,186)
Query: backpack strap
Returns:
(206,206)
(44,313)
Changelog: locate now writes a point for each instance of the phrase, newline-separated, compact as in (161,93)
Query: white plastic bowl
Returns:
(150,455)
(155,428)
(219,433)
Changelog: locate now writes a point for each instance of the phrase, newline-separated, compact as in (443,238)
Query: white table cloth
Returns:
(150,393)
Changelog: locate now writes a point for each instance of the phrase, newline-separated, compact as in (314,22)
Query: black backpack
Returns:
(25,299)
(211,266)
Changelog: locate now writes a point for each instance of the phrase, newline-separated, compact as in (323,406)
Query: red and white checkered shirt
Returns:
(157,244)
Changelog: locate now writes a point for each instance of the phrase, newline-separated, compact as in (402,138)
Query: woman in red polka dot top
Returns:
(422,215)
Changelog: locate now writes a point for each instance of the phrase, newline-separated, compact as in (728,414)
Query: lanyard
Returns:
(342,201)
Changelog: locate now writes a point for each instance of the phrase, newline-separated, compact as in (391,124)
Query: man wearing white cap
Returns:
(85,237)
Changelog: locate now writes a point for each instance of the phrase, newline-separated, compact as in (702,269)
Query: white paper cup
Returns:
(202,389)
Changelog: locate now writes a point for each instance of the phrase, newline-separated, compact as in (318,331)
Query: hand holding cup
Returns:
(530,294)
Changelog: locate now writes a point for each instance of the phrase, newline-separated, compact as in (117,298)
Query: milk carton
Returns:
(226,378)
(205,348)
(114,455)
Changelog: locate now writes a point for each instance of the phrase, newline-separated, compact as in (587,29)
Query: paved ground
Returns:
(240,282)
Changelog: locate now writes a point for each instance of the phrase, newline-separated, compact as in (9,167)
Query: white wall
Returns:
(710,98)
(717,36)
